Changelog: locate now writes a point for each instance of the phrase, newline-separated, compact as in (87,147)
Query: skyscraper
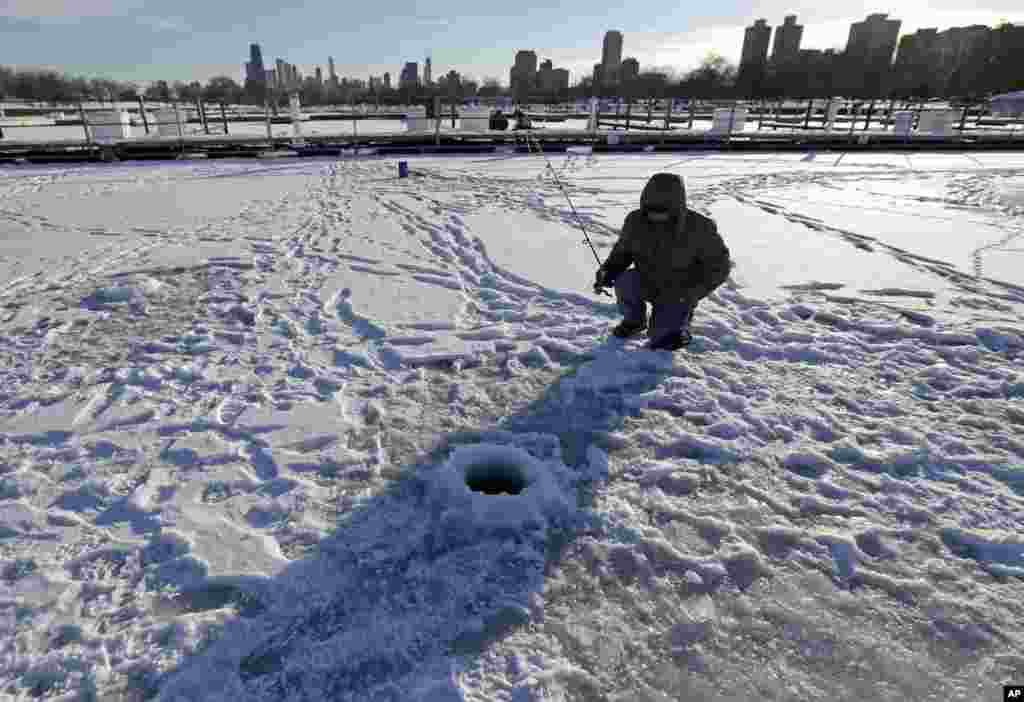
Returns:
(331,75)
(611,57)
(786,46)
(868,57)
(523,75)
(544,75)
(754,58)
(915,71)
(319,77)
(629,70)
(387,81)
(410,76)
(426,72)
(255,73)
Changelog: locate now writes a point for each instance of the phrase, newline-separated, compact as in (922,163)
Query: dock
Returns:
(458,142)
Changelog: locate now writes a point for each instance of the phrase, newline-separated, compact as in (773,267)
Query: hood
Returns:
(665,191)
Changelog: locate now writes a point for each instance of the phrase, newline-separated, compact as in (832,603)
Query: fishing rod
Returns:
(572,207)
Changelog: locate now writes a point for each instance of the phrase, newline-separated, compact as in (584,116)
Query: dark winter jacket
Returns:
(682,259)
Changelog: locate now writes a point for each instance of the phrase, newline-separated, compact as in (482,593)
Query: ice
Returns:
(254,419)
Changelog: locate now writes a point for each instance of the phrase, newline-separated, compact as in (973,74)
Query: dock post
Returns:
(270,131)
(760,116)
(224,116)
(202,115)
(689,126)
(807,117)
(963,118)
(85,124)
(867,117)
(629,110)
(853,117)
(668,115)
(437,121)
(453,112)
(177,120)
(142,113)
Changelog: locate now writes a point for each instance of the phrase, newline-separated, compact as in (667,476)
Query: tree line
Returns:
(713,78)
(989,68)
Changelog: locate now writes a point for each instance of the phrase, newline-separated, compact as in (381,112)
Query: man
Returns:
(679,259)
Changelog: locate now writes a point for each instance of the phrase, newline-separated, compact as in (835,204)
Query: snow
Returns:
(244,409)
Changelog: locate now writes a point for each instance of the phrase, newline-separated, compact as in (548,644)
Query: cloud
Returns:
(432,22)
(61,11)
(165,24)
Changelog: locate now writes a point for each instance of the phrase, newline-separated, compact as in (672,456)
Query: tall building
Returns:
(560,79)
(410,76)
(319,77)
(387,81)
(786,46)
(917,58)
(544,76)
(630,70)
(255,73)
(523,75)
(427,77)
(754,58)
(611,57)
(868,57)
(332,76)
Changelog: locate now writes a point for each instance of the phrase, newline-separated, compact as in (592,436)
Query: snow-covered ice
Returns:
(246,409)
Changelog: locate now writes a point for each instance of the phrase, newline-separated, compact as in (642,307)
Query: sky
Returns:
(146,40)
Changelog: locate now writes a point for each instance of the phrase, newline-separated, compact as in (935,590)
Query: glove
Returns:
(602,280)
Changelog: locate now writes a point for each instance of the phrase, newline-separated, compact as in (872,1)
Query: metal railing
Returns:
(728,118)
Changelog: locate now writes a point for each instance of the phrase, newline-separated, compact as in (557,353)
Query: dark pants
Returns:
(667,318)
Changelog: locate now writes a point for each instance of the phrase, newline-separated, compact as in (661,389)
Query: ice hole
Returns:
(495,478)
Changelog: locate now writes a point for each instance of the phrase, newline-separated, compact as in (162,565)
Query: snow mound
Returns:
(542,489)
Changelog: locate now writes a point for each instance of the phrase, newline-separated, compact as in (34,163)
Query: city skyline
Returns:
(458,46)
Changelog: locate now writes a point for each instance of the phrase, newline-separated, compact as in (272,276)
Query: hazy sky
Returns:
(144,40)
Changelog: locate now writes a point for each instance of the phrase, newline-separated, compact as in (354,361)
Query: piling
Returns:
(142,113)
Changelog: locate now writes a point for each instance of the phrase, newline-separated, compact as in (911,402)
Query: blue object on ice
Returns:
(403,169)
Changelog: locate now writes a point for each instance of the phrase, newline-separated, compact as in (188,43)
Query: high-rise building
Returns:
(255,73)
(786,46)
(410,76)
(427,76)
(560,79)
(319,77)
(754,58)
(254,70)
(387,81)
(544,76)
(611,57)
(629,70)
(523,75)
(332,76)
(868,57)
(280,75)
(915,71)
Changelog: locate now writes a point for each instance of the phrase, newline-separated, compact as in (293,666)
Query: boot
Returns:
(671,342)
(626,328)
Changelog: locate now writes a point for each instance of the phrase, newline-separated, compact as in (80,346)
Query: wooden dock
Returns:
(225,146)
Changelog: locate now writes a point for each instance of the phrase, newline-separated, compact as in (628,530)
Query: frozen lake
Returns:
(246,407)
